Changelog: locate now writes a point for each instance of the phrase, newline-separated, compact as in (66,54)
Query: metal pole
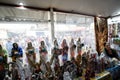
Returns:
(52,24)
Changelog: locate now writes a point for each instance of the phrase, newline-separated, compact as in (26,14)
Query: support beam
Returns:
(52,24)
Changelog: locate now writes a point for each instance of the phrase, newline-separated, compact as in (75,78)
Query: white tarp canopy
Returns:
(104,8)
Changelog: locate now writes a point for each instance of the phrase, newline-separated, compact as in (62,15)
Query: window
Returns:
(69,26)
(22,26)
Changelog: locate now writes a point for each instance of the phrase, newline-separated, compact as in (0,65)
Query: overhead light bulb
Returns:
(21,4)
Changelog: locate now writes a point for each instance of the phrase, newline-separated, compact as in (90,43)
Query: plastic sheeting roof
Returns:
(104,8)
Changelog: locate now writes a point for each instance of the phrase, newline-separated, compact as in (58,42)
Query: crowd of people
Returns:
(52,69)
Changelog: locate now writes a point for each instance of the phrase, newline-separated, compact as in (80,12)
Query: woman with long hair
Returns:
(72,48)
(31,55)
(43,51)
(64,46)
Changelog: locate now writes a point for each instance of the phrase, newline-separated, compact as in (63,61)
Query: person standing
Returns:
(16,52)
(3,62)
(17,57)
(30,53)
(72,48)
(55,53)
(43,51)
(55,56)
(43,56)
(79,46)
(64,46)
(3,53)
